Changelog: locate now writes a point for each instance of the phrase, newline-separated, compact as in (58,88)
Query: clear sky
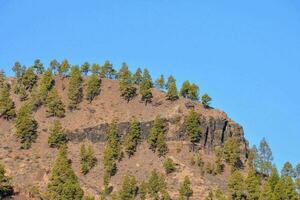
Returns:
(245,54)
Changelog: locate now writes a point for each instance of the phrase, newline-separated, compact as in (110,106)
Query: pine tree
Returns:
(206,99)
(18,70)
(107,70)
(95,69)
(172,93)
(156,185)
(6,188)
(38,66)
(290,188)
(26,126)
(193,128)
(54,105)
(7,106)
(75,92)
(128,91)
(145,87)
(194,92)
(162,147)
(264,159)
(57,136)
(129,189)
(85,68)
(29,79)
(232,152)
(93,87)
(2,78)
(169,165)
(63,183)
(297,170)
(268,188)
(54,65)
(87,158)
(160,83)
(185,190)
(45,85)
(288,170)
(157,129)
(64,68)
(184,91)
(132,138)
(236,186)
(137,77)
(252,186)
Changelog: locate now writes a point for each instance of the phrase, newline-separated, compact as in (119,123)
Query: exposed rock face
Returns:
(214,132)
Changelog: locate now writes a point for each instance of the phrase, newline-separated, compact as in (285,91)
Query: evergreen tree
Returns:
(157,129)
(162,147)
(185,190)
(95,69)
(2,78)
(172,93)
(236,186)
(290,188)
(54,65)
(231,152)
(252,186)
(156,185)
(128,91)
(160,83)
(7,106)
(57,136)
(193,127)
(218,160)
(63,183)
(85,68)
(87,158)
(38,66)
(184,91)
(26,126)
(137,77)
(268,188)
(132,138)
(75,92)
(45,85)
(64,68)
(18,70)
(54,105)
(288,170)
(129,189)
(264,158)
(6,188)
(206,100)
(29,79)
(107,70)
(93,87)
(145,87)
(169,165)
(194,92)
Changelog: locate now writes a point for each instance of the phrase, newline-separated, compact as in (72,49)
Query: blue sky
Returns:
(245,54)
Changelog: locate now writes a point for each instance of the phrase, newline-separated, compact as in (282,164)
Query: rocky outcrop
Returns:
(214,132)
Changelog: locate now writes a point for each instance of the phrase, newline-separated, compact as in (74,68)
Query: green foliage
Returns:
(185,189)
(18,69)
(160,83)
(6,188)
(54,105)
(236,186)
(193,127)
(263,161)
(63,183)
(7,106)
(156,137)
(288,170)
(54,65)
(75,92)
(206,99)
(107,70)
(218,160)
(137,77)
(85,68)
(252,186)
(128,91)
(132,138)
(145,87)
(190,91)
(231,152)
(169,165)
(216,195)
(29,79)
(64,68)
(95,69)
(93,87)
(87,158)
(26,126)
(38,66)
(172,93)
(129,189)
(156,185)
(57,136)
(143,190)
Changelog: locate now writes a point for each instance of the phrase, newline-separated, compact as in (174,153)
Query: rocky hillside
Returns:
(31,168)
